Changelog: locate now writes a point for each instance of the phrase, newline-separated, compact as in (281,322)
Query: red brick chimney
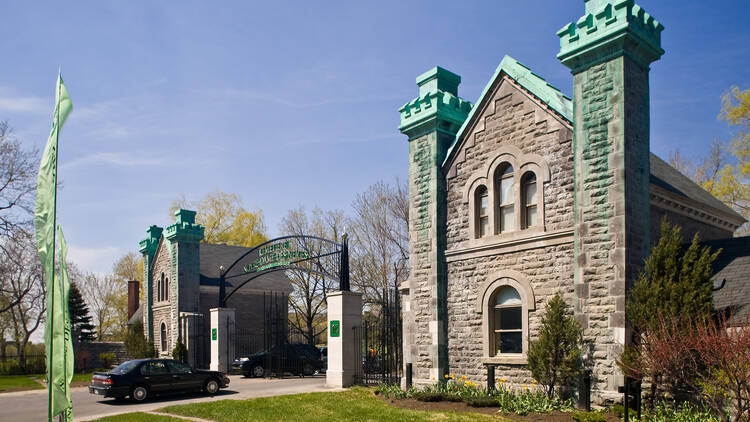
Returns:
(133,292)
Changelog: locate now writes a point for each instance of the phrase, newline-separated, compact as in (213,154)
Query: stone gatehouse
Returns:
(528,192)
(182,277)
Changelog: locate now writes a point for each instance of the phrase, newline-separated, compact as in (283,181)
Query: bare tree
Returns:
(23,290)
(17,182)
(106,296)
(380,240)
(309,296)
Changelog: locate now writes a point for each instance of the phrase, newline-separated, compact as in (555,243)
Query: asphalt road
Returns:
(31,406)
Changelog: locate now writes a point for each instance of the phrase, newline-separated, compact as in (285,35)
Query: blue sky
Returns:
(295,103)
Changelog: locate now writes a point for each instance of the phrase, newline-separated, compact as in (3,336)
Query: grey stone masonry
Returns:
(430,122)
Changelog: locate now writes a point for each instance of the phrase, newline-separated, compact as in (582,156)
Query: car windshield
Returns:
(125,367)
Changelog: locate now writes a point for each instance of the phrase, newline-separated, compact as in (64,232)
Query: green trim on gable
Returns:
(532,82)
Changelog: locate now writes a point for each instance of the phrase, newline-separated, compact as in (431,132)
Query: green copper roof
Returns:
(608,28)
(184,227)
(151,242)
(531,82)
(438,99)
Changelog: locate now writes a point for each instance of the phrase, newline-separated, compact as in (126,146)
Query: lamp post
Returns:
(222,287)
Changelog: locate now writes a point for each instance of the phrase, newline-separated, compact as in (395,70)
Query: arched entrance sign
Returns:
(301,253)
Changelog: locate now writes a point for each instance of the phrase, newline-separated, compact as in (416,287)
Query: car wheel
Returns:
(211,386)
(258,371)
(139,393)
(307,369)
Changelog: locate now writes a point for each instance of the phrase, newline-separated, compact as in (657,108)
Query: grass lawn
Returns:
(79,380)
(140,417)
(357,404)
(18,383)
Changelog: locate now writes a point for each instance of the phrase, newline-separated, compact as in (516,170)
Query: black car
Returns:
(142,378)
(298,359)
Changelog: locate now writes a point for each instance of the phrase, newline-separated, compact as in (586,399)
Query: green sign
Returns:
(335,328)
(275,255)
(213,334)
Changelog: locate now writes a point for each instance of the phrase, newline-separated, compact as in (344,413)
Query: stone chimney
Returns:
(133,301)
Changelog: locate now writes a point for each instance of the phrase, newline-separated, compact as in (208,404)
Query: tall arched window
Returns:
(482,210)
(159,287)
(528,198)
(163,337)
(507,323)
(505,195)
(165,296)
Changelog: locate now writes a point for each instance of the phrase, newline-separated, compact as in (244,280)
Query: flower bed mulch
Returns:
(414,404)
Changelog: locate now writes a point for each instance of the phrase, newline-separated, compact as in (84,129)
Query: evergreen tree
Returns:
(136,344)
(554,359)
(675,282)
(80,320)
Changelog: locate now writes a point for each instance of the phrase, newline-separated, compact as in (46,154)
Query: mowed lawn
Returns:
(10,383)
(18,383)
(357,404)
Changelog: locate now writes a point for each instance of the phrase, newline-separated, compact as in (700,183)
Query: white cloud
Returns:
(96,260)
(117,159)
(23,104)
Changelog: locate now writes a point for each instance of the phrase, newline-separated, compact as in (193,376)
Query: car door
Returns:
(183,376)
(156,374)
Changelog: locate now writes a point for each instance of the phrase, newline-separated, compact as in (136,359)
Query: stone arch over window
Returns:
(504,302)
(163,337)
(515,200)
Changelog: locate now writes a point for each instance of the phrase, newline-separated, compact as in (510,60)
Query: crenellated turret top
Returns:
(184,228)
(438,100)
(610,28)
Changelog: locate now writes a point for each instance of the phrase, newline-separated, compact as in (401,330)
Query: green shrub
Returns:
(136,344)
(588,417)
(618,410)
(35,365)
(179,352)
(662,412)
(527,401)
(487,401)
(107,359)
(388,390)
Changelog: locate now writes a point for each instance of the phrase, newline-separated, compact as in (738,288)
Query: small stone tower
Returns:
(609,50)
(184,237)
(431,122)
(148,248)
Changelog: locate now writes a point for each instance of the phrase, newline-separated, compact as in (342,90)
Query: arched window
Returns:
(165,296)
(482,209)
(159,287)
(505,196)
(507,323)
(164,337)
(528,198)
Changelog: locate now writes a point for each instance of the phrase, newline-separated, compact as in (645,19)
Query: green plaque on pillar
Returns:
(335,328)
(213,334)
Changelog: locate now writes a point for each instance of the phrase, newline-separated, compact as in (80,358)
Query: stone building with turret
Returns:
(181,285)
(528,192)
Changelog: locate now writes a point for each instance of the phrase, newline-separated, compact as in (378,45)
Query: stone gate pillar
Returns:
(609,50)
(222,335)
(344,342)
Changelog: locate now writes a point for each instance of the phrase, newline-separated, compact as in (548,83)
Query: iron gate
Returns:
(274,340)
(380,339)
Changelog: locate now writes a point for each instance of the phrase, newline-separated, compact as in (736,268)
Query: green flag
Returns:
(44,223)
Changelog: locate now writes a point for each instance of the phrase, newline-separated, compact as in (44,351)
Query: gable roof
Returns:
(669,178)
(532,82)
(732,265)
(662,174)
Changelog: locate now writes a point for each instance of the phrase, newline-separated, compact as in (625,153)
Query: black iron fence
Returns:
(380,340)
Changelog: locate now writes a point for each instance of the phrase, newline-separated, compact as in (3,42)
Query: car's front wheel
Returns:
(258,371)
(139,393)
(211,386)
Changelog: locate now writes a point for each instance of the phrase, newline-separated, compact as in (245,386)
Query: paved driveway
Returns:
(32,405)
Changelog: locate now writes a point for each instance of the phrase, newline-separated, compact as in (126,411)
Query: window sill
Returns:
(511,359)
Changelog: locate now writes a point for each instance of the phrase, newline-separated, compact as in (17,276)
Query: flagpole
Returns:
(54,236)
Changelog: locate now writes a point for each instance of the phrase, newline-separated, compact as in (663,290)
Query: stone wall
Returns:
(163,311)
(513,117)
(548,270)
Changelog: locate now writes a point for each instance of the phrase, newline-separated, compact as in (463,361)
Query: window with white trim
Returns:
(507,323)
(528,199)
(505,198)
(482,211)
